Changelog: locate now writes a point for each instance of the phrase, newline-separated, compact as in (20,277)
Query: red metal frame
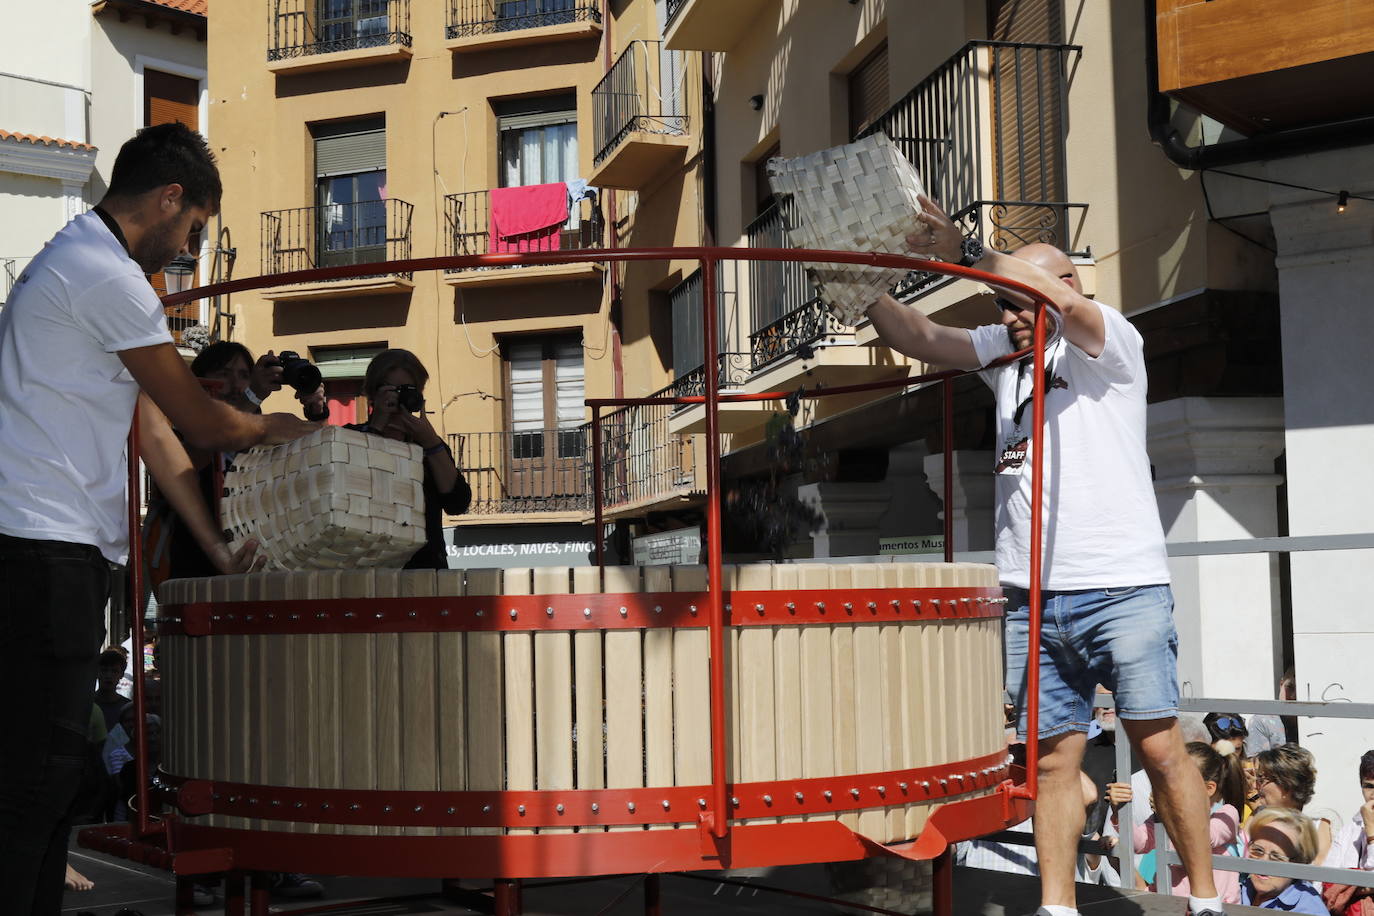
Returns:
(189,848)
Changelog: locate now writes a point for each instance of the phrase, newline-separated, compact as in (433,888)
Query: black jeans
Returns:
(52,603)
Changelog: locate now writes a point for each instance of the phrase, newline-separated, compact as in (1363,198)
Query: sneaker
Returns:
(296,886)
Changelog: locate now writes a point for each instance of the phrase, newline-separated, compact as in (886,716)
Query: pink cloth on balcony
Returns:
(528,218)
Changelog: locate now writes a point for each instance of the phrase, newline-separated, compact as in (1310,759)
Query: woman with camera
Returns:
(394,386)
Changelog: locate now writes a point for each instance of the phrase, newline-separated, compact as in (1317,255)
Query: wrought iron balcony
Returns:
(526,471)
(643,463)
(732,367)
(336,234)
(646,91)
(674,7)
(986,131)
(467,18)
(786,311)
(468,218)
(301,28)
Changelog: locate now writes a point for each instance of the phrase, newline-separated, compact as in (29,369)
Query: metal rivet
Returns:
(452,810)
(233,798)
(799,797)
(791,608)
(354,807)
(728,609)
(349,614)
(820,606)
(586,612)
(701,803)
(270,616)
(486,809)
(559,809)
(872,605)
(252,801)
(512,614)
(882,790)
(964,600)
(924,784)
(276,803)
(896,603)
(595,807)
(902,786)
(828,794)
(692,608)
(324,807)
(759,608)
(916,602)
(386,808)
(299,805)
(734,800)
(444,612)
(624,612)
(630,806)
(521,809)
(419,808)
(412,615)
(549,611)
(665,804)
(658,609)
(849,605)
(768,799)
(481,613)
(944,782)
(379,615)
(854,792)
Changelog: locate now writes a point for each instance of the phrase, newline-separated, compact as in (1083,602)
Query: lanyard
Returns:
(113,226)
(1020,376)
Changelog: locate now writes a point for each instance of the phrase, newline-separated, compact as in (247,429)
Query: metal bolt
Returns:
(759,608)
(964,600)
(419,808)
(444,612)
(481,612)
(854,792)
(586,612)
(452,810)
(354,807)
(897,603)
(872,605)
(791,608)
(319,616)
(728,609)
(665,804)
(799,797)
(902,786)
(924,784)
(828,794)
(734,800)
(296,805)
(916,602)
(276,803)
(693,609)
(549,611)
(386,808)
(252,801)
(412,615)
(595,807)
(559,809)
(349,614)
(882,790)
(630,806)
(512,614)
(270,616)
(944,782)
(849,606)
(658,609)
(521,809)
(768,799)
(324,807)
(379,615)
(624,612)
(820,606)
(233,798)
(701,803)
(486,809)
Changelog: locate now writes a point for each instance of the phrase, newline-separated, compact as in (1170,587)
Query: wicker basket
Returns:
(335,499)
(857,197)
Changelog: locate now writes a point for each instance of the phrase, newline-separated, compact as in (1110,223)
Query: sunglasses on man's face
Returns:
(1007,305)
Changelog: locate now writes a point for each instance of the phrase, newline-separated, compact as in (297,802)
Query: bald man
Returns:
(1108,609)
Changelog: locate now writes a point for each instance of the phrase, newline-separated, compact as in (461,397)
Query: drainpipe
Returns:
(1292,142)
(617,358)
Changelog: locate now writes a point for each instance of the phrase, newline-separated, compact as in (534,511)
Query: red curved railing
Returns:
(708,258)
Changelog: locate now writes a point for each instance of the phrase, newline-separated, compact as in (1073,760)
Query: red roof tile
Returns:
(195,7)
(45,141)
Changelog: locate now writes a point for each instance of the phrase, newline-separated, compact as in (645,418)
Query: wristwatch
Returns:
(971,251)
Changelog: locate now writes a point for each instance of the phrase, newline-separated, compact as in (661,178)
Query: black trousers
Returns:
(52,603)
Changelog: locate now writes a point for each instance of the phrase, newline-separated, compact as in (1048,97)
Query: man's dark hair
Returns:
(167,154)
(1367,765)
(218,355)
(111,657)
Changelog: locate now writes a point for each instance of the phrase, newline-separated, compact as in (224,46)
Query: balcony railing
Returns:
(468,217)
(336,234)
(488,17)
(301,28)
(785,309)
(986,132)
(646,90)
(538,470)
(641,460)
(674,7)
(685,303)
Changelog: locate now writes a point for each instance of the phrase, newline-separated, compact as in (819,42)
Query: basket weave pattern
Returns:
(335,499)
(858,197)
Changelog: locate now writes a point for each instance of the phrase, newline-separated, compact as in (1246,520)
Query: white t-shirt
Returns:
(1102,527)
(66,400)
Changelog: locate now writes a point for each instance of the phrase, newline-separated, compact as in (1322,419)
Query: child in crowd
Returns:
(1281,835)
(1352,849)
(1225,785)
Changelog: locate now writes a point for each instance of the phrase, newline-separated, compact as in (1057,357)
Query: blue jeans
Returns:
(1122,638)
(52,604)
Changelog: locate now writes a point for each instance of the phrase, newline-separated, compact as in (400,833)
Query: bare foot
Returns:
(77,881)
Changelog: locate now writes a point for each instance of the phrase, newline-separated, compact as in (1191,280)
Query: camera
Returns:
(409,399)
(298,372)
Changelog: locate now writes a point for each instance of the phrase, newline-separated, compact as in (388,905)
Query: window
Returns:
(353,23)
(545,387)
(529,14)
(868,90)
(538,139)
(350,192)
(168,97)
(343,369)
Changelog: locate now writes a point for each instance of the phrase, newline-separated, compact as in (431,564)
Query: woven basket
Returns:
(857,197)
(335,499)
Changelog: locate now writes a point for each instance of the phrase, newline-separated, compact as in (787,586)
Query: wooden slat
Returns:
(624,688)
(452,700)
(891,721)
(658,691)
(203,763)
(842,687)
(553,679)
(916,701)
(327,737)
(357,699)
(870,755)
(305,695)
(787,681)
(276,706)
(817,691)
(486,753)
(419,704)
(691,689)
(756,694)
(236,702)
(588,692)
(518,651)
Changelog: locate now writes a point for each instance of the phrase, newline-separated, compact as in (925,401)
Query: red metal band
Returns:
(635,610)
(586,807)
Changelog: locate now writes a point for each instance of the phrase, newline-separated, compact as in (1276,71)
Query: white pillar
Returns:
(850,515)
(1215,480)
(972,509)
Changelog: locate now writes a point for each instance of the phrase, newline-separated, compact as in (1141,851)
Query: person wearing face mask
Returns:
(394,386)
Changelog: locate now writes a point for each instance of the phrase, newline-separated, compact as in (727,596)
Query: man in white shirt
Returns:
(1108,610)
(81,334)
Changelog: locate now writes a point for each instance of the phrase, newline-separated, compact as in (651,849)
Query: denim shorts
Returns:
(1122,638)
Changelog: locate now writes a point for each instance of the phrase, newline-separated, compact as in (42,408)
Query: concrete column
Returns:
(1326,271)
(851,512)
(972,510)
(1215,480)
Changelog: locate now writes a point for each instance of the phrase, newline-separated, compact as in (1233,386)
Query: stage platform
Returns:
(977,893)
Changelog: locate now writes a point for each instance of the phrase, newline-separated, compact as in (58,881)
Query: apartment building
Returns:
(79,79)
(352,131)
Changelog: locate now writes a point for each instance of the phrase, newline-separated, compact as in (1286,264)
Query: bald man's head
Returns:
(1049,258)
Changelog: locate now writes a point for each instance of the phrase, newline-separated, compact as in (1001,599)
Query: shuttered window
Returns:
(545,388)
(350,148)
(168,98)
(868,91)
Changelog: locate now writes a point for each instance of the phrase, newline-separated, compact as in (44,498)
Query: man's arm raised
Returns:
(203,421)
(908,330)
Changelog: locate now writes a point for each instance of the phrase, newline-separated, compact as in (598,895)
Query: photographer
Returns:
(394,386)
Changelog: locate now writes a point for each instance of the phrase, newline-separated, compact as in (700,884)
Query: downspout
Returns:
(708,152)
(1292,142)
(612,241)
